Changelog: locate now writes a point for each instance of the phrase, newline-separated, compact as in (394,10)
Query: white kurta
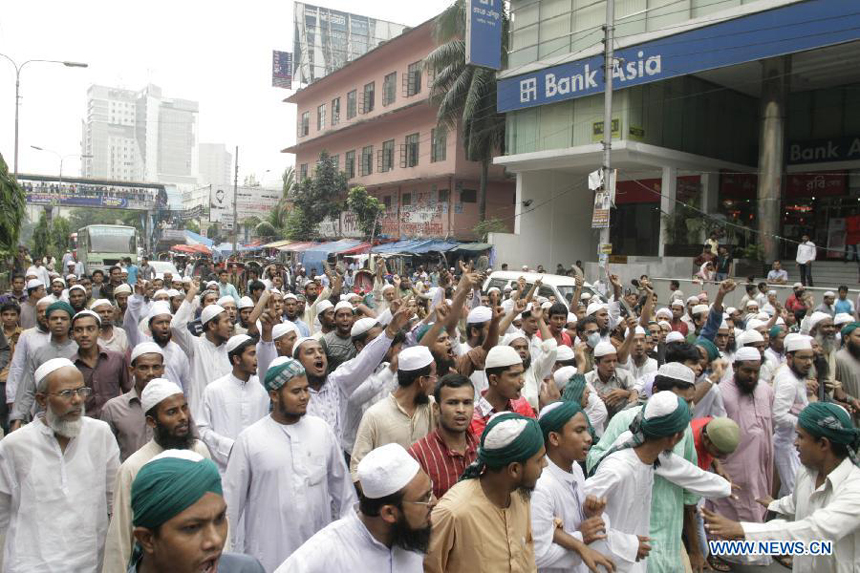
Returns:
(346,545)
(789,398)
(54,505)
(375,388)
(288,481)
(540,368)
(559,494)
(229,406)
(28,342)
(208,362)
(176,365)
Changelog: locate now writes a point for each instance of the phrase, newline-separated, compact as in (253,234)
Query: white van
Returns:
(561,287)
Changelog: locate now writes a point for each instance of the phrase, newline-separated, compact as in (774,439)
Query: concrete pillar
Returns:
(518,203)
(668,191)
(774,95)
(710,184)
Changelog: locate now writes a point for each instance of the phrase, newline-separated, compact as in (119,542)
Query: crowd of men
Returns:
(161,423)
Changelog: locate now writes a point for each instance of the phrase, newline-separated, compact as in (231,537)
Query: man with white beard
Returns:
(56,480)
(821,328)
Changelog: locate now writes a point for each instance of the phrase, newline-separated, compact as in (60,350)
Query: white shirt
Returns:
(346,545)
(375,388)
(54,505)
(596,411)
(805,252)
(639,372)
(229,406)
(28,342)
(207,361)
(311,309)
(288,481)
(830,512)
(788,400)
(540,368)
(176,365)
(560,494)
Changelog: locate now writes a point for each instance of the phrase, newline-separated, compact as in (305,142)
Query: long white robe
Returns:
(288,481)
(789,398)
(28,342)
(379,385)
(54,505)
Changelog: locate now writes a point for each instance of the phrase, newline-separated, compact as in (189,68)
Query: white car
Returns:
(559,286)
(161,267)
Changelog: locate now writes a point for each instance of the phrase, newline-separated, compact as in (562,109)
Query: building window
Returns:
(321,117)
(387,201)
(409,151)
(335,111)
(389,88)
(413,79)
(406,199)
(366,160)
(350,105)
(303,172)
(439,144)
(305,126)
(443,195)
(369,96)
(387,157)
(468,196)
(349,164)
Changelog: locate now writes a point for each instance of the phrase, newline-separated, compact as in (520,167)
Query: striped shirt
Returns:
(443,465)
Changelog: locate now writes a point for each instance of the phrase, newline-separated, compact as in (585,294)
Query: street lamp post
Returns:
(18,69)
(62,158)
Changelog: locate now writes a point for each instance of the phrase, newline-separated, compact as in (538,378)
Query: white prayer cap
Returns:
(34,283)
(387,286)
(504,433)
(491,289)
(414,358)
(525,267)
(160,292)
(479,314)
(386,470)
(236,341)
(58,280)
(122,289)
(749,337)
(724,325)
(226,300)
(731,310)
(830,293)
(755,323)
(677,371)
(210,312)
(351,295)
(502,357)
(663,312)
(51,366)
(675,336)
(508,288)
(245,302)
(187,280)
(661,404)
(585,296)
(78,287)
(564,353)
(343,305)
(693,300)
(288,295)
(511,336)
(763,316)
(211,284)
(797,285)
(145,348)
(593,308)
(604,348)
(46,301)
(798,342)
(172,292)
(700,309)
(842,318)
(157,390)
(299,341)
(87,313)
(73,276)
(771,292)
(677,302)
(663,323)
(323,306)
(747,354)
(816,318)
(361,326)
(639,330)
(546,305)
(678,294)
(751,303)
(562,376)
(157,308)
(572,318)
(283,328)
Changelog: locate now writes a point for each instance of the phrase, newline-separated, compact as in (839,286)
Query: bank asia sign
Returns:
(824,150)
(793,28)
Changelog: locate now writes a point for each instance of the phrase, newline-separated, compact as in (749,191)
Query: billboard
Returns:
(40,190)
(252,201)
(221,204)
(282,70)
(484,33)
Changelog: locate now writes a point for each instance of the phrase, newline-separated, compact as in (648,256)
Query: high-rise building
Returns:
(109,135)
(216,164)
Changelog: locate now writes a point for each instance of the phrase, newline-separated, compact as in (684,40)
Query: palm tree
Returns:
(466,94)
(278,215)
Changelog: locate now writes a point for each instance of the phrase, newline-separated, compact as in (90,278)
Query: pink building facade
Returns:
(374,117)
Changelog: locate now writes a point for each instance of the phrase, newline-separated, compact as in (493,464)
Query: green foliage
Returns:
(265,230)
(12,203)
(752,251)
(366,207)
(80,217)
(487,226)
(41,237)
(686,225)
(317,198)
(60,231)
(193,226)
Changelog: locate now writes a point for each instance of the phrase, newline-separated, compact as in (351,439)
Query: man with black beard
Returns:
(168,416)
(848,359)
(391,529)
(406,415)
(155,327)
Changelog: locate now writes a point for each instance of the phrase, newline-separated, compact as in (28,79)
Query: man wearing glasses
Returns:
(56,477)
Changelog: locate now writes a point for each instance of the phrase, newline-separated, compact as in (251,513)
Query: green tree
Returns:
(317,198)
(366,207)
(80,217)
(466,94)
(12,203)
(192,226)
(265,230)
(41,237)
(60,231)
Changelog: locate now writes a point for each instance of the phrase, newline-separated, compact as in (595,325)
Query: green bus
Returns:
(102,246)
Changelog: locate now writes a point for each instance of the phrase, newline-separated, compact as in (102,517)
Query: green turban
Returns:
(710,348)
(848,329)
(556,415)
(60,305)
(521,438)
(279,373)
(575,389)
(827,420)
(774,331)
(169,484)
(667,425)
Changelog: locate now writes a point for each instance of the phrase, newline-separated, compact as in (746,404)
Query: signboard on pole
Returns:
(221,204)
(484,33)
(282,70)
(600,216)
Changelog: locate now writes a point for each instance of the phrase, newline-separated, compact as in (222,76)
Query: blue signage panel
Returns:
(823,150)
(786,30)
(484,33)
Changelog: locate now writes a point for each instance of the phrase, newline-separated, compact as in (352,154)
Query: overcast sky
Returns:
(217,53)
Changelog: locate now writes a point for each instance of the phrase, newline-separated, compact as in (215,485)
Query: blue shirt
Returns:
(132,274)
(844,306)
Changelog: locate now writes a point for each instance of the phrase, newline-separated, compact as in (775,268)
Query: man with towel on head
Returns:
(166,411)
(489,507)
(180,522)
(56,480)
(390,531)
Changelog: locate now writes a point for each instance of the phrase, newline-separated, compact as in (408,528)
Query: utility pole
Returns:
(235,201)
(608,60)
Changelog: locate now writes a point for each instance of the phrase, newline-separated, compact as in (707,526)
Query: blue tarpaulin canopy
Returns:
(192,238)
(415,246)
(313,257)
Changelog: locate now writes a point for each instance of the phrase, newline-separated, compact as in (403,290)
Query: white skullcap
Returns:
(663,323)
(211,284)
(414,358)
(283,328)
(585,296)
(157,390)
(731,310)
(723,325)
(661,404)
(210,312)
(572,318)
(479,314)
(564,353)
(491,289)
(562,376)
(508,288)
(830,293)
(675,336)
(351,295)
(677,371)
(46,300)
(361,326)
(502,357)
(289,295)
(123,288)
(639,330)
(34,283)
(798,342)
(816,318)
(525,267)
(88,313)
(158,308)
(101,302)
(244,302)
(511,336)
(763,316)
(71,276)
(274,290)
(747,354)
(754,323)
(663,312)
(323,306)
(58,280)
(187,280)
(700,308)
(678,294)
(387,287)
(842,318)
(797,285)
(693,300)
(677,302)
(386,470)
(78,287)
(771,292)
(236,341)
(51,366)
(343,305)
(145,348)
(751,303)
(161,292)
(593,308)
(299,341)
(546,305)
(604,349)
(749,337)
(226,300)
(504,433)
(172,292)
